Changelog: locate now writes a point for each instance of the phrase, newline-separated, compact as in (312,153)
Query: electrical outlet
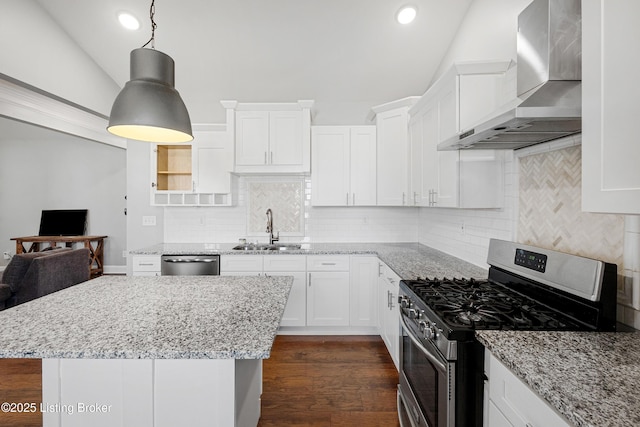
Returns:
(124,254)
(149,220)
(6,255)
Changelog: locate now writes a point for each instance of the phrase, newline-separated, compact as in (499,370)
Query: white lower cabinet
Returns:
(509,402)
(241,265)
(388,288)
(295,313)
(328,290)
(363,277)
(146,265)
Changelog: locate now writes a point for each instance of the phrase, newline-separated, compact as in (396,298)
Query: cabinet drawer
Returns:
(240,263)
(516,401)
(328,263)
(146,263)
(285,263)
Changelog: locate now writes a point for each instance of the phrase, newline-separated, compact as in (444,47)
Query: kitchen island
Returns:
(150,351)
(590,378)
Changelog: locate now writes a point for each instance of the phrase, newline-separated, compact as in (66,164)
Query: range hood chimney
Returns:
(549,74)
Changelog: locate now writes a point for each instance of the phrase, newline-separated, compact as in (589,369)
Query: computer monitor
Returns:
(67,222)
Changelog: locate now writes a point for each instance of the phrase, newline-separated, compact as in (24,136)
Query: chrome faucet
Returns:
(270,228)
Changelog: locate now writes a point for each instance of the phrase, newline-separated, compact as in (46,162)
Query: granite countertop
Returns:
(591,378)
(408,260)
(167,317)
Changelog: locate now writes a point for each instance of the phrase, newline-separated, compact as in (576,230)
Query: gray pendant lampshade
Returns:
(149,108)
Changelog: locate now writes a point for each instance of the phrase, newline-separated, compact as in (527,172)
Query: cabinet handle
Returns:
(328,263)
(265,157)
(347,199)
(379,269)
(153,184)
(146,263)
(403,197)
(309,279)
(271,158)
(391,301)
(415,198)
(193,186)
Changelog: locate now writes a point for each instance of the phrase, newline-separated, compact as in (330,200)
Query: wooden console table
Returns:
(96,251)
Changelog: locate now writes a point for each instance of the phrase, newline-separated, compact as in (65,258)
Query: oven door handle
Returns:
(438,364)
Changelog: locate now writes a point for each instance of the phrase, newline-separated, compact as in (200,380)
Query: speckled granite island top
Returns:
(592,378)
(168,317)
(408,260)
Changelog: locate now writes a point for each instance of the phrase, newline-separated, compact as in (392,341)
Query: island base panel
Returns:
(151,393)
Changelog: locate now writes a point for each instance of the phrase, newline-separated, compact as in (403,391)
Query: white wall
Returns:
(488,32)
(36,51)
(42,169)
(139,199)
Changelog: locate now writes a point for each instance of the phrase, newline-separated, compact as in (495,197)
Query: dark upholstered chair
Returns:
(33,275)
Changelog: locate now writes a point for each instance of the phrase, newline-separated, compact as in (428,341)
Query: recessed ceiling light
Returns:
(128,21)
(406,14)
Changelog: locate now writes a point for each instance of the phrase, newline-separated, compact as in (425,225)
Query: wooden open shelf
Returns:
(174,171)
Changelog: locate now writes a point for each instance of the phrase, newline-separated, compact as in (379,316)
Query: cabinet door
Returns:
(285,138)
(330,165)
(429,124)
(363,165)
(610,110)
(364,279)
(252,137)
(415,144)
(213,161)
(392,157)
(446,191)
(328,298)
(295,312)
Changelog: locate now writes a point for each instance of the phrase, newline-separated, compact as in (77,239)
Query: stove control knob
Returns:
(413,313)
(428,332)
(405,302)
(422,325)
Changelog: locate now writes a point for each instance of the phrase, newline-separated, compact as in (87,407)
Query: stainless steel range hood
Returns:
(549,85)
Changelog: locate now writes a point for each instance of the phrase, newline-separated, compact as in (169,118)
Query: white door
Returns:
(610,109)
(364,279)
(392,165)
(285,138)
(328,298)
(330,165)
(363,166)
(213,161)
(252,137)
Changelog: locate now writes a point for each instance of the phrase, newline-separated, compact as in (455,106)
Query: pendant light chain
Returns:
(152,12)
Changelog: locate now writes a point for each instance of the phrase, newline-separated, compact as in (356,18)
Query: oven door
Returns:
(427,382)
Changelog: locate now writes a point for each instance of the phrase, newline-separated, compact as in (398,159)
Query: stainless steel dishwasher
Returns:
(190,265)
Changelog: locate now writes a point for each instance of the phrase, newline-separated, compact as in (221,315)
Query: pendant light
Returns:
(149,108)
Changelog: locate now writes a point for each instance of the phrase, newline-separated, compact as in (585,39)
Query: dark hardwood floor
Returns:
(329,381)
(21,382)
(315,381)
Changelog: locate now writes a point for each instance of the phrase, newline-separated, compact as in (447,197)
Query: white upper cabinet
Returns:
(457,101)
(393,165)
(194,174)
(343,165)
(271,137)
(610,109)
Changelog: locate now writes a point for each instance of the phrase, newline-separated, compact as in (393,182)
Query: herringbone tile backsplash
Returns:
(284,198)
(550,213)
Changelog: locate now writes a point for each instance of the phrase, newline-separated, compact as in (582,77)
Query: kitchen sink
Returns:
(266,247)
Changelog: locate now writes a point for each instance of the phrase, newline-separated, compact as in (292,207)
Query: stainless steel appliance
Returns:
(190,265)
(549,83)
(528,288)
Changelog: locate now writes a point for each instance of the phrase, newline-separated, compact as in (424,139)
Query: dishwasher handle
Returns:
(189,260)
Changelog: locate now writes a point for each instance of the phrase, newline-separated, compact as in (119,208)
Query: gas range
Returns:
(527,288)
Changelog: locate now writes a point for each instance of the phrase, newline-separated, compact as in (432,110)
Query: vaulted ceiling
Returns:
(348,55)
